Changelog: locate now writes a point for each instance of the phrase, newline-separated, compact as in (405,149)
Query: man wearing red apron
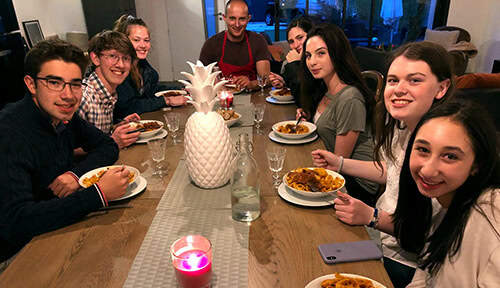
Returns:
(240,54)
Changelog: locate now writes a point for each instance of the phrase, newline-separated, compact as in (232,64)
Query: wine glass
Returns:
(172,120)
(275,159)
(258,115)
(262,79)
(157,147)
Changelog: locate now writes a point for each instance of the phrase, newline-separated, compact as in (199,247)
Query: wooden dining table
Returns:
(99,250)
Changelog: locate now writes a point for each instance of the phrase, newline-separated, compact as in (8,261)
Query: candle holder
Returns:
(226,99)
(192,260)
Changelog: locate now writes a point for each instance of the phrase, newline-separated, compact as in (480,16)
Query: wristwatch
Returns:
(376,216)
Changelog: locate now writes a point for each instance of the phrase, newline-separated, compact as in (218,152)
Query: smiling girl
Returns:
(336,98)
(419,77)
(136,93)
(453,157)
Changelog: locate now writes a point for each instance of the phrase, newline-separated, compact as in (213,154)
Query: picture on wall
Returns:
(33,32)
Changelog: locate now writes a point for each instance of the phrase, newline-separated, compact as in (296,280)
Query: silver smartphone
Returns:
(349,251)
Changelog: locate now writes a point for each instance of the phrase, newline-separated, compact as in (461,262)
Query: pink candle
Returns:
(226,99)
(193,270)
(192,260)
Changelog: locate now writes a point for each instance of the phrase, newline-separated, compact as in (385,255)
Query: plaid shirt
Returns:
(97,104)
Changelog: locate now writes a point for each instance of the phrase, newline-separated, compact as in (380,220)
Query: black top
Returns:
(134,100)
(292,80)
(32,154)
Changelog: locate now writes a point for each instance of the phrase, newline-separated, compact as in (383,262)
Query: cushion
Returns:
(479,80)
(276,51)
(444,38)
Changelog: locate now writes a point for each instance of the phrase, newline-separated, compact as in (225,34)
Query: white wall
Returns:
(155,16)
(56,17)
(481,19)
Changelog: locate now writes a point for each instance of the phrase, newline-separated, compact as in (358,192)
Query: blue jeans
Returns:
(400,274)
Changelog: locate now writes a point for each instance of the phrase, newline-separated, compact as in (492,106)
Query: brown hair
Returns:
(123,25)
(53,49)
(107,40)
(441,66)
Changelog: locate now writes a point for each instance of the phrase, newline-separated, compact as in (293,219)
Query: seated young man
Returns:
(112,54)
(39,189)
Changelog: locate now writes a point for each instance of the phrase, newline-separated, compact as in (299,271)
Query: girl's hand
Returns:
(325,159)
(276,80)
(351,210)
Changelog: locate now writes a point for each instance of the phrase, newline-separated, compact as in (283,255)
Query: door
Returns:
(214,23)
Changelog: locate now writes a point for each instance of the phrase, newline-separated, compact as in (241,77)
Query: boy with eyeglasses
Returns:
(39,190)
(112,54)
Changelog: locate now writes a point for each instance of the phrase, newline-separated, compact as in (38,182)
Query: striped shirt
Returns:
(97,104)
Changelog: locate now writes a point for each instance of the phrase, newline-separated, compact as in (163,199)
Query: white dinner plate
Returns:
(281,98)
(273,100)
(316,283)
(96,170)
(135,188)
(159,135)
(298,199)
(232,88)
(159,94)
(273,136)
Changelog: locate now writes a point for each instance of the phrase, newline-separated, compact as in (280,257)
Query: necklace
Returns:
(326,100)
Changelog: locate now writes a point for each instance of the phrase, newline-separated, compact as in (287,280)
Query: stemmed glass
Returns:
(157,147)
(275,159)
(172,120)
(258,115)
(261,79)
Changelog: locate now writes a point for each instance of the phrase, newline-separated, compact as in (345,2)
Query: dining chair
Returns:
(375,81)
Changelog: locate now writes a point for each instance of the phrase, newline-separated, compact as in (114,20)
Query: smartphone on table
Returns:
(349,251)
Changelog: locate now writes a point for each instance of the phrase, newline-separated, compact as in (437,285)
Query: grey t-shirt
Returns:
(347,112)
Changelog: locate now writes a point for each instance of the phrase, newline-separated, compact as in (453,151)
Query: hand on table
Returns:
(122,137)
(325,159)
(64,185)
(114,183)
(276,80)
(241,81)
(175,100)
(351,210)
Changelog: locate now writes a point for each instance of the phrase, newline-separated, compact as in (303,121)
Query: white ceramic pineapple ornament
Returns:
(207,142)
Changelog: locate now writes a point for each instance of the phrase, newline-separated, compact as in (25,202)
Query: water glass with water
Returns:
(157,148)
(275,158)
(172,120)
(258,115)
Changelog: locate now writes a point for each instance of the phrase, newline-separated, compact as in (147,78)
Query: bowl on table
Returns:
(151,127)
(282,130)
(300,182)
(283,94)
(229,116)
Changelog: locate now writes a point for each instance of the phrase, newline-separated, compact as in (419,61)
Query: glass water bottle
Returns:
(245,188)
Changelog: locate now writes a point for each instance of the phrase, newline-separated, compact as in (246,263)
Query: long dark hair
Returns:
(301,22)
(123,25)
(346,67)
(441,65)
(413,215)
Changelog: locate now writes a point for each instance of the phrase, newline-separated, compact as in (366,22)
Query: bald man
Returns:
(239,53)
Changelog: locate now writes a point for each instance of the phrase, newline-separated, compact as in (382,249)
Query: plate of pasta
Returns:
(343,280)
(313,182)
(283,94)
(93,176)
(287,129)
(151,127)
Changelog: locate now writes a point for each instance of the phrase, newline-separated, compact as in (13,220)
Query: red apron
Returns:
(245,70)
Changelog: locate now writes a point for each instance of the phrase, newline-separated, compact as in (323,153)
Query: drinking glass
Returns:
(157,147)
(258,115)
(275,159)
(261,79)
(172,120)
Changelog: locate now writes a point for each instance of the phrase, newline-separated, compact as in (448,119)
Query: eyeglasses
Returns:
(58,85)
(113,59)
